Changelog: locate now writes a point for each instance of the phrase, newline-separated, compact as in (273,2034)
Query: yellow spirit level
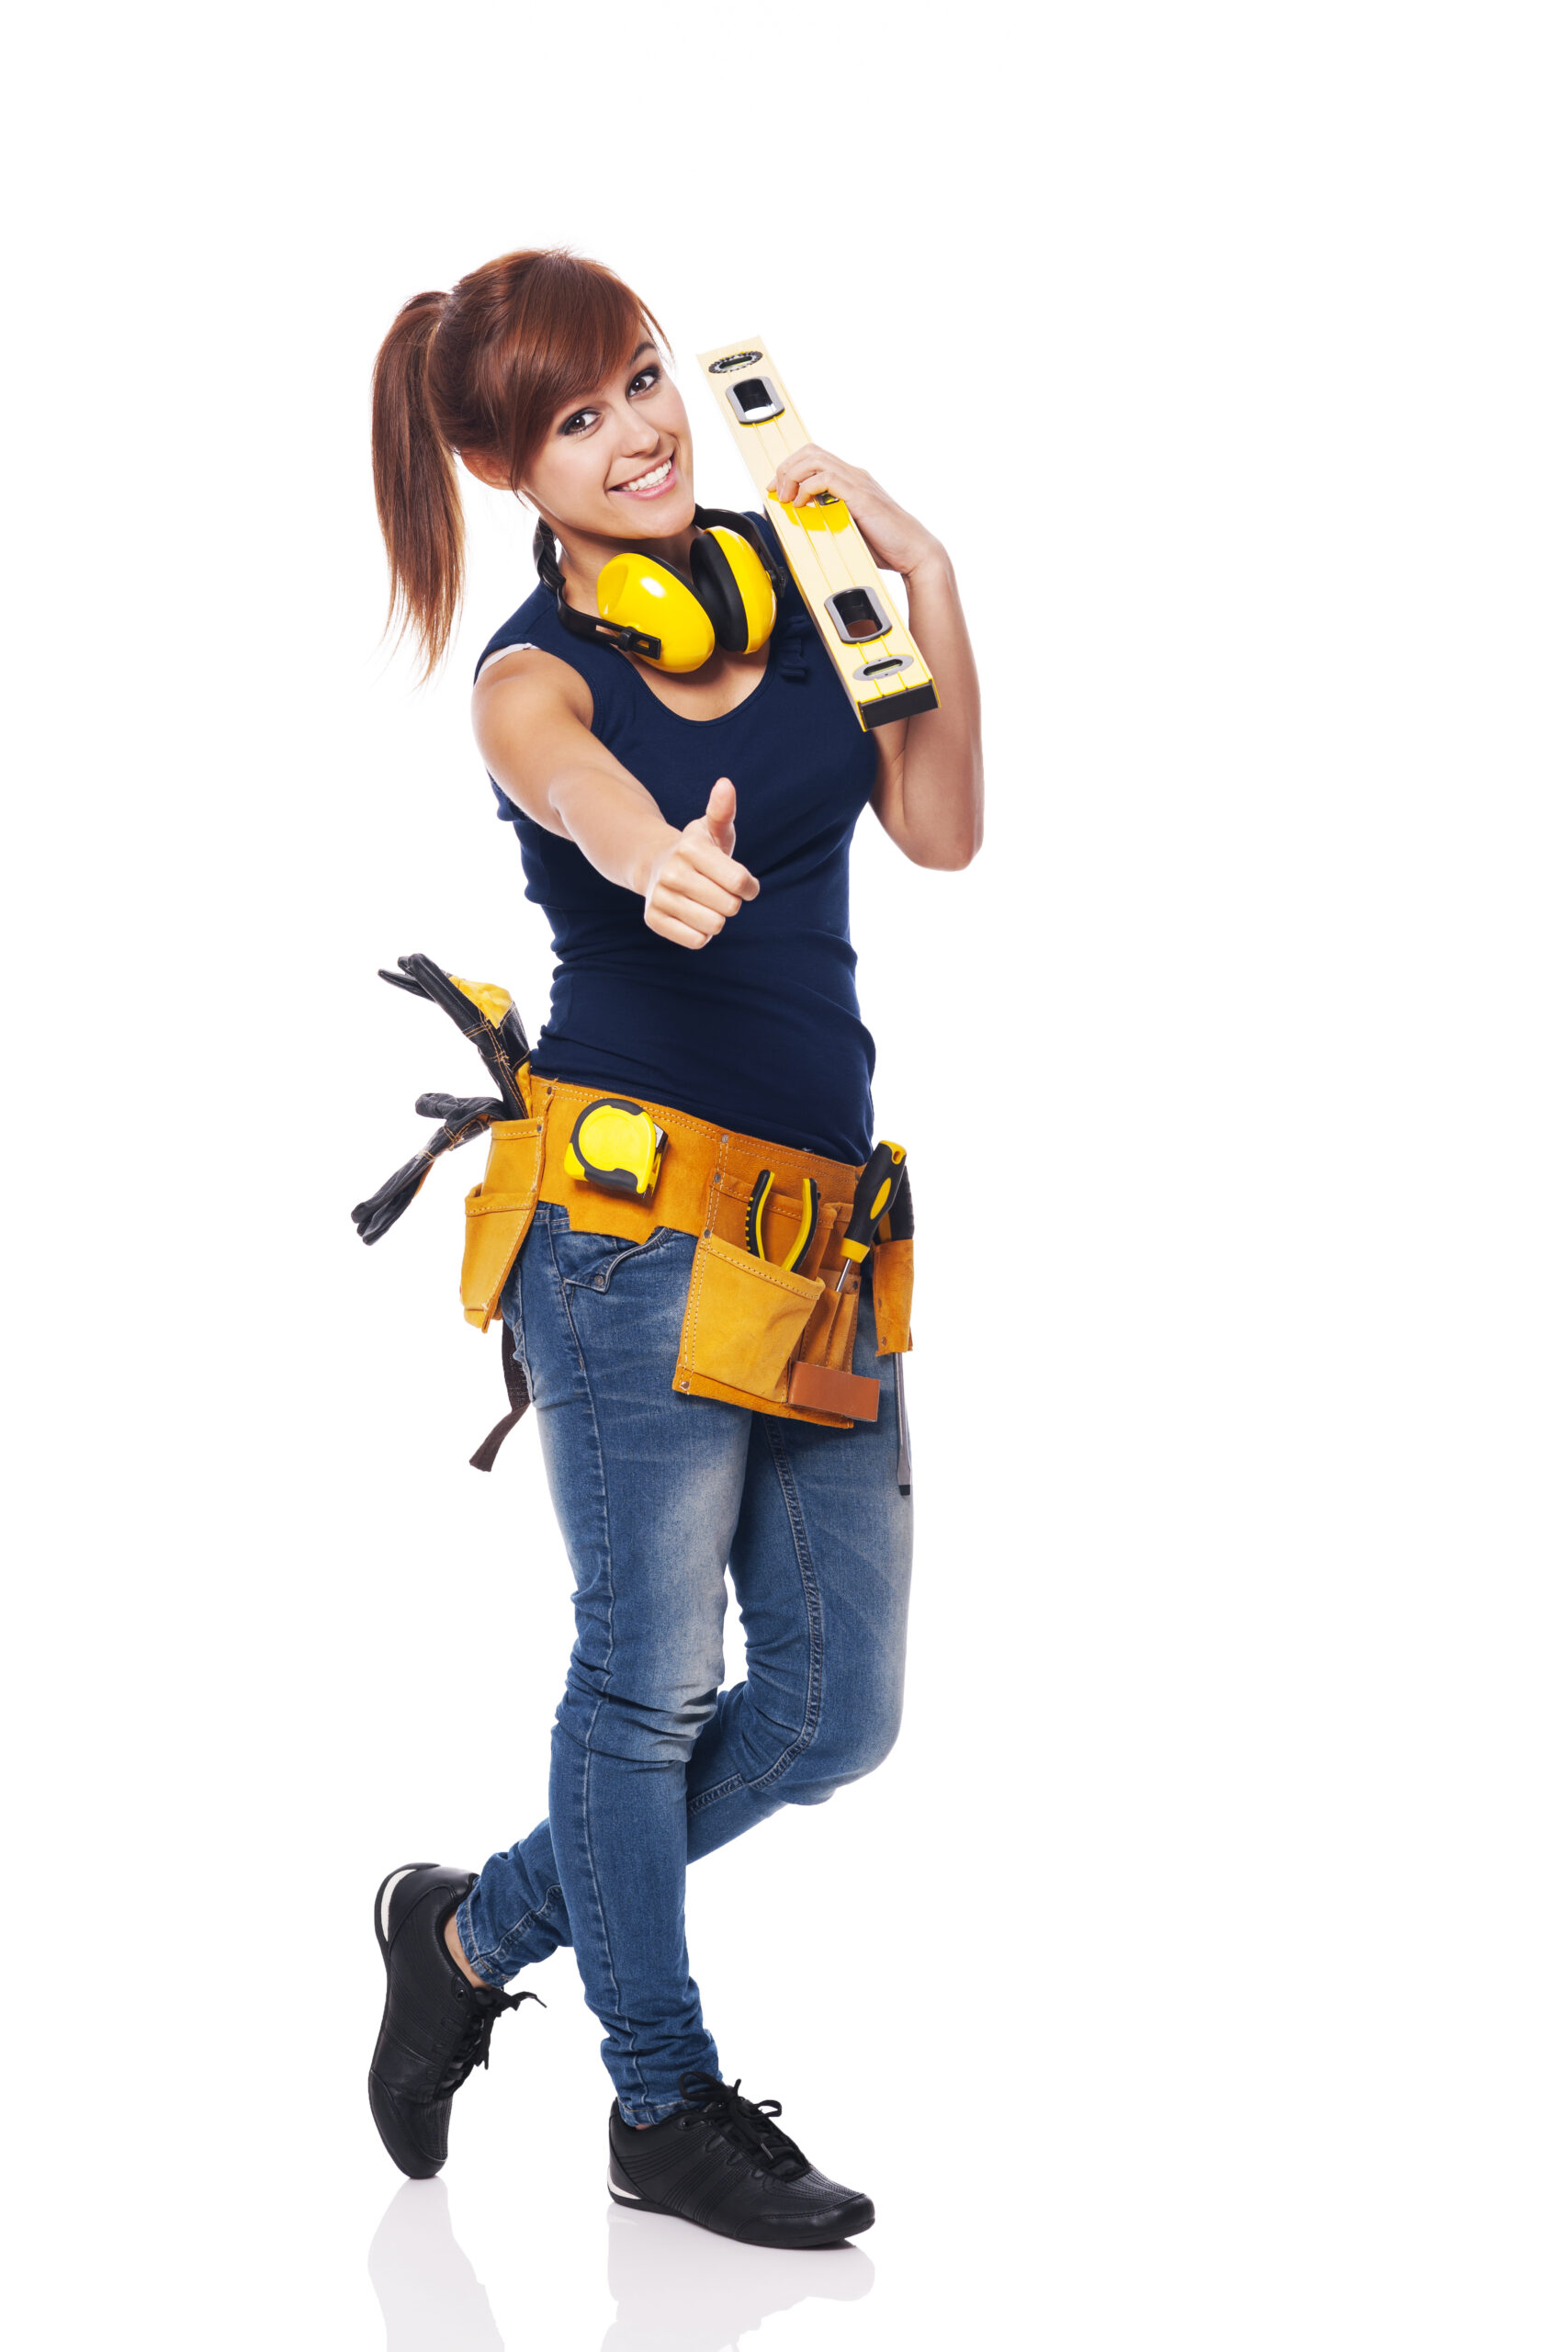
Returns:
(878,661)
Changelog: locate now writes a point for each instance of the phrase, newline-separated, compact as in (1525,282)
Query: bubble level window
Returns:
(858,614)
(754,400)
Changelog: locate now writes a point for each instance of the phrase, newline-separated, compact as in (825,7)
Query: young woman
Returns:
(688,836)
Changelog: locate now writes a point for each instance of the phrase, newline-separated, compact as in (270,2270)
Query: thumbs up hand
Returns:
(697,885)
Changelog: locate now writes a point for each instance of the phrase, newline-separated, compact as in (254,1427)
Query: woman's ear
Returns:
(485,469)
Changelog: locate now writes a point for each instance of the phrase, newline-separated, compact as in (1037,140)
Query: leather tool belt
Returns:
(755,1333)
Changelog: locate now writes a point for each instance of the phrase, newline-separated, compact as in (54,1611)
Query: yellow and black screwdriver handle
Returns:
(876,1190)
(810,1202)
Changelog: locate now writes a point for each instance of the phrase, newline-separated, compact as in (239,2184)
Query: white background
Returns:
(1193,1974)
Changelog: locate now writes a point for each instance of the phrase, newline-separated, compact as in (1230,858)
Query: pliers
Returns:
(810,1202)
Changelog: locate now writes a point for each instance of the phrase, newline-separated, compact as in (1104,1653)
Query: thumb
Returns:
(721,811)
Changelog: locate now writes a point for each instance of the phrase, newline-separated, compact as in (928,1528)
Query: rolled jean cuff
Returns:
(470,1950)
(649,2110)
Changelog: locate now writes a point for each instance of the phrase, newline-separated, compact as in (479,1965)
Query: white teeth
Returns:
(646,481)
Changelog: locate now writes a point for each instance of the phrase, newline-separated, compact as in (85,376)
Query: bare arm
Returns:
(930,791)
(532,717)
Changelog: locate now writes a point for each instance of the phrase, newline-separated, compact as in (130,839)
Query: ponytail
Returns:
(545,562)
(484,369)
(417,498)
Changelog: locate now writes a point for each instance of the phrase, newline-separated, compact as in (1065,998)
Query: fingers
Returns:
(697,885)
(807,471)
(669,927)
(712,842)
(702,857)
(668,918)
(698,891)
(684,878)
(719,818)
(685,906)
(792,471)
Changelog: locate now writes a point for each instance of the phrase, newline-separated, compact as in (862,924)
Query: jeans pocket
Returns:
(593,1260)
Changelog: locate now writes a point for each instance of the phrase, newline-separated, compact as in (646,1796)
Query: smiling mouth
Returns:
(649,485)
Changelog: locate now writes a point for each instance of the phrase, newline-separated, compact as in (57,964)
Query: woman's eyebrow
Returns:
(569,408)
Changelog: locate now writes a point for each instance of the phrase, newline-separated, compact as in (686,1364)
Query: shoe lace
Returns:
(748,2124)
(473,2048)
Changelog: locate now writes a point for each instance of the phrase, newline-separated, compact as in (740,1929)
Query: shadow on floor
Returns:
(675,2289)
(681,2290)
(424,2283)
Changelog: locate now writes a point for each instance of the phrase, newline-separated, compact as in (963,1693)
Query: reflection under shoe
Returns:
(429,2298)
(677,2292)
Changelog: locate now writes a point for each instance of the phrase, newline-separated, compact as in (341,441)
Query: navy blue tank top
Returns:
(759,1030)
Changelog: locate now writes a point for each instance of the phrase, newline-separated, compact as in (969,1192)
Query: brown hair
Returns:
(483,369)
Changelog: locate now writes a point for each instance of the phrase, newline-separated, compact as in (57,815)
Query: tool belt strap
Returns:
(774,1340)
(705,1180)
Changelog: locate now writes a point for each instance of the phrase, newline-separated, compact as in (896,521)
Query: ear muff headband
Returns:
(647,609)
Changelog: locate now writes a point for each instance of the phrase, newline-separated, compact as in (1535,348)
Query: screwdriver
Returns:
(877,1188)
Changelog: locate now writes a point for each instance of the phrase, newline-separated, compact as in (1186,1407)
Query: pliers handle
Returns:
(810,1204)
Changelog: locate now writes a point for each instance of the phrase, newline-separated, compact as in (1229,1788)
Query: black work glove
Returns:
(503,1045)
(462,1117)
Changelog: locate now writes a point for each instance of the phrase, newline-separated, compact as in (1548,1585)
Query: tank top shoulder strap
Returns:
(602,669)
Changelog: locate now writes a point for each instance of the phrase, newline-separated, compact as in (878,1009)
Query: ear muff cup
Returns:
(638,592)
(734,589)
(730,601)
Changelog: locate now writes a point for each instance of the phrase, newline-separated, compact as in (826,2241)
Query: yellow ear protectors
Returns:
(616,1146)
(810,1202)
(646,608)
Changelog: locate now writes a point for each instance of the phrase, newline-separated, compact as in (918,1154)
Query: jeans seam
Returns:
(813,1600)
(600,1925)
(499,1952)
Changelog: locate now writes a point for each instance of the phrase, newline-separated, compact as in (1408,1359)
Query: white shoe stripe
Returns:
(396,1880)
(617,2191)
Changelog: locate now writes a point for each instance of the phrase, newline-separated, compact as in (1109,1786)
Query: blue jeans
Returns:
(651,1763)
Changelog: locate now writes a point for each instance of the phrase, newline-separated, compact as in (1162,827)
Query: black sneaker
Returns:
(436,2027)
(722,2162)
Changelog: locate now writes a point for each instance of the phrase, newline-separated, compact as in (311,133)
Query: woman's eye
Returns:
(645,381)
(579,422)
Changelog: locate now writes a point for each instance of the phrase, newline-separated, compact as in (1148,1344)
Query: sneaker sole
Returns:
(633,2203)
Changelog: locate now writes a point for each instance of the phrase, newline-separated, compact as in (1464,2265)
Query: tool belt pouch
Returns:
(892,1289)
(744,1321)
(499,1213)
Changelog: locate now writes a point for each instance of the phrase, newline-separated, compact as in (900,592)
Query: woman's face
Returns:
(618,463)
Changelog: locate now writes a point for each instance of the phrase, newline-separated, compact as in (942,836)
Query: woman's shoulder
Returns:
(533,623)
(603,688)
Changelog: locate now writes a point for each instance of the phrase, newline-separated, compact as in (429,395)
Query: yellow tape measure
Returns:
(617,1145)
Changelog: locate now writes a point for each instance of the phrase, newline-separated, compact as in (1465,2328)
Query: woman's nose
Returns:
(639,434)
